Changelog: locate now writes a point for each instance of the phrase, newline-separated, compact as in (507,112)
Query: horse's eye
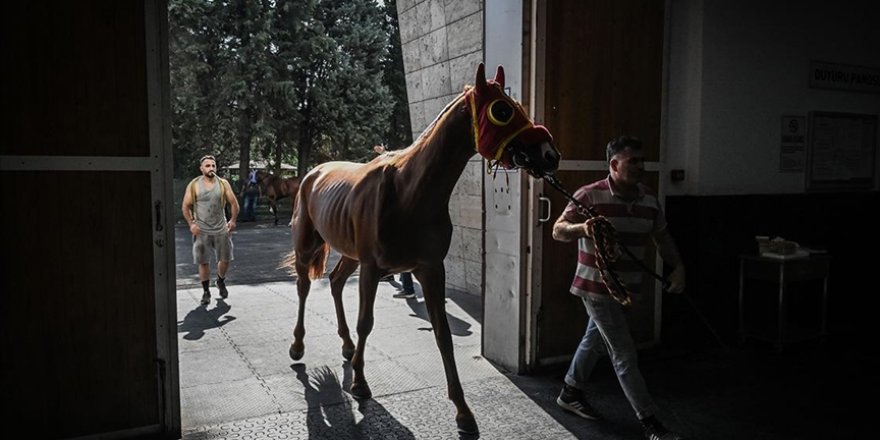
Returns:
(500,112)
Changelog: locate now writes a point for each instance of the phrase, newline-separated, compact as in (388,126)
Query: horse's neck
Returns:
(437,160)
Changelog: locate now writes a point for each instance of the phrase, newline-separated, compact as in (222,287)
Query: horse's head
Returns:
(260,176)
(504,133)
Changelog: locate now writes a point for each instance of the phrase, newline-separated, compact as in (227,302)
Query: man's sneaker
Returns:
(405,294)
(206,298)
(572,400)
(221,284)
(654,430)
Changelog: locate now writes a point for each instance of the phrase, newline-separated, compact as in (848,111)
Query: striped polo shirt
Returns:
(635,222)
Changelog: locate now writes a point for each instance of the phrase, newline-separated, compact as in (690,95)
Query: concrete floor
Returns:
(237,380)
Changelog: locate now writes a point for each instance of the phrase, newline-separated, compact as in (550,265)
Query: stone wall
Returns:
(442,44)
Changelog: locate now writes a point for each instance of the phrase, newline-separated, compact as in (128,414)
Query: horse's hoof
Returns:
(347,353)
(467,425)
(296,354)
(361,391)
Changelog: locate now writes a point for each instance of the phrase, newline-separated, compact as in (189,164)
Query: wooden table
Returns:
(783,272)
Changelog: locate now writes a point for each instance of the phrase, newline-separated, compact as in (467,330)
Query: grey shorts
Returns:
(207,245)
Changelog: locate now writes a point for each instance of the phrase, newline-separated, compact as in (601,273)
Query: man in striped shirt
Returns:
(636,215)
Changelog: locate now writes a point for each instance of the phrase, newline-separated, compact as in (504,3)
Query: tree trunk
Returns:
(305,144)
(244,149)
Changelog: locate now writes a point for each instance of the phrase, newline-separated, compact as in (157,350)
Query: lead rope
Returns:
(607,246)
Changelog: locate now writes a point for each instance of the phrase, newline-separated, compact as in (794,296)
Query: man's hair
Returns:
(206,157)
(620,143)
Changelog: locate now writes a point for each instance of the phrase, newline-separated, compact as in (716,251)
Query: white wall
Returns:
(736,67)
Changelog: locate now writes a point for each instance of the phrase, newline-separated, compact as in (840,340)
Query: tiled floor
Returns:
(237,380)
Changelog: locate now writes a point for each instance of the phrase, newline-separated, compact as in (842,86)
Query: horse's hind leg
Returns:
(433,280)
(308,247)
(338,276)
(303,284)
(274,209)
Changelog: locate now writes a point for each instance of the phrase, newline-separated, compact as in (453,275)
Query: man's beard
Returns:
(210,174)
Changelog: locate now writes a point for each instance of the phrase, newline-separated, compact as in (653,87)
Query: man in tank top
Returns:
(204,203)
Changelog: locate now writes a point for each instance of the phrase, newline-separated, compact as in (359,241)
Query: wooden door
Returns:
(601,77)
(88,342)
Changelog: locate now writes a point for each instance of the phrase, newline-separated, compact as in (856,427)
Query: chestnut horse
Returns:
(276,188)
(391,215)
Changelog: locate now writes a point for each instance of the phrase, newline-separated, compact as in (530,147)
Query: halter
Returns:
(497,119)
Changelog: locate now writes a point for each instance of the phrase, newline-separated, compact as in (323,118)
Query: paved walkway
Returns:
(237,380)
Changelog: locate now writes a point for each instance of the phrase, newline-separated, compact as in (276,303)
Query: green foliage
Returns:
(295,81)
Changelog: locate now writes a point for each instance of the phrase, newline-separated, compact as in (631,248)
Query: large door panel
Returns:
(87,322)
(602,77)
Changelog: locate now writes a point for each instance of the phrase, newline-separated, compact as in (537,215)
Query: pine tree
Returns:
(302,80)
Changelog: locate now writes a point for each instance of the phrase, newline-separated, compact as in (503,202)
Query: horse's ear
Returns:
(499,76)
(480,81)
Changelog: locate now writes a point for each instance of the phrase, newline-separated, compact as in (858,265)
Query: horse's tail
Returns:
(319,262)
(316,266)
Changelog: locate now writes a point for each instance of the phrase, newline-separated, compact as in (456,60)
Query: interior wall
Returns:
(737,67)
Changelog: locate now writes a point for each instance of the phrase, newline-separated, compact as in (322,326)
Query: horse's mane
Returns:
(429,130)
(398,158)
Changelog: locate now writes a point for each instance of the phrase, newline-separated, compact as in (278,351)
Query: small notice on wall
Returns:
(794,140)
(841,151)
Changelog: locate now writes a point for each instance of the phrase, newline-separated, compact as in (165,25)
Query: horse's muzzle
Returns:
(539,160)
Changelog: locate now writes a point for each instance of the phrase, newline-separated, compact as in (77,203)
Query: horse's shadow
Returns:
(200,319)
(330,413)
(457,326)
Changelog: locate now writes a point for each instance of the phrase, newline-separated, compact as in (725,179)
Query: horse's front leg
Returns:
(344,268)
(433,281)
(369,281)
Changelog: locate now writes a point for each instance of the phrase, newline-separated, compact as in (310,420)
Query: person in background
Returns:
(204,203)
(251,193)
(636,215)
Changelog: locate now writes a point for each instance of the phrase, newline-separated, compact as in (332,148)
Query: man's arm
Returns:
(669,252)
(564,230)
(233,205)
(187,208)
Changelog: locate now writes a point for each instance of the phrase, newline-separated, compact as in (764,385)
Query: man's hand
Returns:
(230,225)
(596,223)
(194,229)
(676,280)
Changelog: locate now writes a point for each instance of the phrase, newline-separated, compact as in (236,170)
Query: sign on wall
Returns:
(825,75)
(793,140)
